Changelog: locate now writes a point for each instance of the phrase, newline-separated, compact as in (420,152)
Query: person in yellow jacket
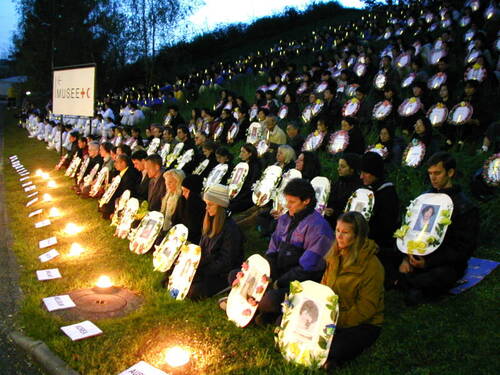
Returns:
(355,274)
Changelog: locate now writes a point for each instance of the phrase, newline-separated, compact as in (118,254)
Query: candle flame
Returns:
(177,356)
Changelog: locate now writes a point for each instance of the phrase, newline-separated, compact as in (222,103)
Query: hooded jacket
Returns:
(360,287)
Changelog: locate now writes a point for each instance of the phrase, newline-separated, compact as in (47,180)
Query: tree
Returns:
(55,33)
(150,23)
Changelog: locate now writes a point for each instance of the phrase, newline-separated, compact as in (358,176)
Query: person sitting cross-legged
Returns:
(429,276)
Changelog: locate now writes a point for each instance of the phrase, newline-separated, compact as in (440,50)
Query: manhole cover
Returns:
(100,303)
(92,304)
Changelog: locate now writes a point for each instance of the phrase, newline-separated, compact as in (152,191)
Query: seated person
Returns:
(130,177)
(300,241)
(342,189)
(224,156)
(285,158)
(208,149)
(428,276)
(423,133)
(394,145)
(308,164)
(221,245)
(293,136)
(190,209)
(139,161)
(355,274)
(95,159)
(356,141)
(243,201)
(156,185)
(173,180)
(385,216)
(275,137)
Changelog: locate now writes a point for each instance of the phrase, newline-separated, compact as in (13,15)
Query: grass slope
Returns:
(455,336)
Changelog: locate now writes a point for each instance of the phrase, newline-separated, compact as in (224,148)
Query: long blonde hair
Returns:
(212,226)
(360,229)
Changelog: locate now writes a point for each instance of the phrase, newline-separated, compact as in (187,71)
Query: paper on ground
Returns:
(81,330)
(34,200)
(49,255)
(42,223)
(47,242)
(36,212)
(58,302)
(49,274)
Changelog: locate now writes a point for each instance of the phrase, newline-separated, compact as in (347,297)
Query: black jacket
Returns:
(142,188)
(341,190)
(385,217)
(156,191)
(461,237)
(243,201)
(356,142)
(190,212)
(222,253)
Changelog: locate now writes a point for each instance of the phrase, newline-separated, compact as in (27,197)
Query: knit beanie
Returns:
(217,194)
(373,163)
(194,183)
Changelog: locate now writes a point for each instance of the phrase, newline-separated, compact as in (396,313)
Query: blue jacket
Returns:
(303,260)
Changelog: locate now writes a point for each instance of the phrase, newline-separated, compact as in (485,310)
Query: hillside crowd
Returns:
(420,77)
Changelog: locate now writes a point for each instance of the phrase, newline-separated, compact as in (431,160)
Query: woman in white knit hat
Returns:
(221,245)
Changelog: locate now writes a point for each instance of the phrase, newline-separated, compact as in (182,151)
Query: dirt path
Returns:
(12,361)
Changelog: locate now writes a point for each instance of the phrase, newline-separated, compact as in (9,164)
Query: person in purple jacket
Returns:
(300,241)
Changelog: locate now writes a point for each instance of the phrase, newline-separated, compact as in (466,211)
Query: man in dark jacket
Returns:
(139,161)
(385,216)
(130,177)
(435,273)
(156,185)
(293,137)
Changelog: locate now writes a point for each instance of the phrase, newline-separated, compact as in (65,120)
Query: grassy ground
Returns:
(455,336)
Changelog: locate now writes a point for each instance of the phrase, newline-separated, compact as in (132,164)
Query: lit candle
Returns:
(75,250)
(177,356)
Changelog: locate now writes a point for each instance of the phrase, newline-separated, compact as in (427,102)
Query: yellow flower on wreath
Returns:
(416,246)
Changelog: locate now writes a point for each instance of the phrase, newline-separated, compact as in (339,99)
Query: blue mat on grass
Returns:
(476,271)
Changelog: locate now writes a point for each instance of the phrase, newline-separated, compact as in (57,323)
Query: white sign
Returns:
(142,368)
(36,212)
(49,274)
(13,157)
(34,200)
(24,174)
(58,302)
(27,184)
(73,92)
(81,330)
(32,194)
(24,178)
(47,242)
(42,223)
(30,188)
(49,255)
